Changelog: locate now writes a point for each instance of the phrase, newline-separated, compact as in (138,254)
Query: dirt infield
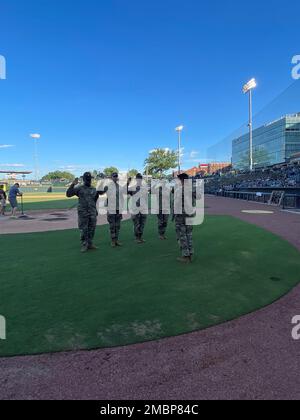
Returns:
(29,197)
(44,221)
(253,357)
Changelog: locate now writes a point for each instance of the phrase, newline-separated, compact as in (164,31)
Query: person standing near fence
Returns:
(14,192)
(3,198)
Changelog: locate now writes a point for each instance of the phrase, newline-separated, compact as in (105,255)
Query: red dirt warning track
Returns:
(253,357)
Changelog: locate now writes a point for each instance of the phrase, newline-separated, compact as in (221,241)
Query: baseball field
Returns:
(45,201)
(56,299)
(143,314)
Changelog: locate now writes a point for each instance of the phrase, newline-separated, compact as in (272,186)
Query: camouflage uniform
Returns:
(163,220)
(139,223)
(184,235)
(87,211)
(139,220)
(184,232)
(114,219)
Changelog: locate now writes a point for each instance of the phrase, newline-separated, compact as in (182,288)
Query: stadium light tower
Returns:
(248,87)
(179,131)
(36,137)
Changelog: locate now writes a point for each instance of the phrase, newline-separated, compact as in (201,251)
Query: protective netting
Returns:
(286,103)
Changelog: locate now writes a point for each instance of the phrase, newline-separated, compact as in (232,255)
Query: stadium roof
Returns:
(15,172)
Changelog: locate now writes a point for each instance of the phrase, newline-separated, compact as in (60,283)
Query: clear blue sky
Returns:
(105,81)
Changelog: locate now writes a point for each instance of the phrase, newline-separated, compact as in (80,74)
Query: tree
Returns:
(132,173)
(109,171)
(161,161)
(58,175)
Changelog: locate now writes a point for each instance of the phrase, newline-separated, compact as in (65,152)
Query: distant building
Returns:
(203,168)
(273,144)
(14,175)
(215,167)
(193,171)
(206,168)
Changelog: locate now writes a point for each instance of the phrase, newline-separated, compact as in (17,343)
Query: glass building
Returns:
(273,143)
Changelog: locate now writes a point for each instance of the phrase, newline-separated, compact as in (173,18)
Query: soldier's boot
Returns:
(118,243)
(162,238)
(84,249)
(139,241)
(184,260)
(114,244)
(93,247)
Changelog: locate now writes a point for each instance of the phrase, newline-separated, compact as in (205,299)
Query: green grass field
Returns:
(56,299)
(45,201)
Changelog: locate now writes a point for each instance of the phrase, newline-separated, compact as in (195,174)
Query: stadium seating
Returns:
(280,176)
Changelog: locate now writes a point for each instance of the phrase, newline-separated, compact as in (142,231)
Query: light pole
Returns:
(248,87)
(179,131)
(36,137)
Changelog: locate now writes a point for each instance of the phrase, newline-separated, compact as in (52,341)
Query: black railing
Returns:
(246,196)
(290,201)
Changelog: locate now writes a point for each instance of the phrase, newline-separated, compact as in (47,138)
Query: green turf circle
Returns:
(55,299)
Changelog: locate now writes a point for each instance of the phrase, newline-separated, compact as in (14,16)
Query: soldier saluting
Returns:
(114,215)
(87,209)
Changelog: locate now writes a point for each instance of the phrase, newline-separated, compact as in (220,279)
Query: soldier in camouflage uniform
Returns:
(139,219)
(184,232)
(115,218)
(139,223)
(87,210)
(114,221)
(163,219)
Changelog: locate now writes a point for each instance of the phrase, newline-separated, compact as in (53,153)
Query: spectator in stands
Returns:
(280,176)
